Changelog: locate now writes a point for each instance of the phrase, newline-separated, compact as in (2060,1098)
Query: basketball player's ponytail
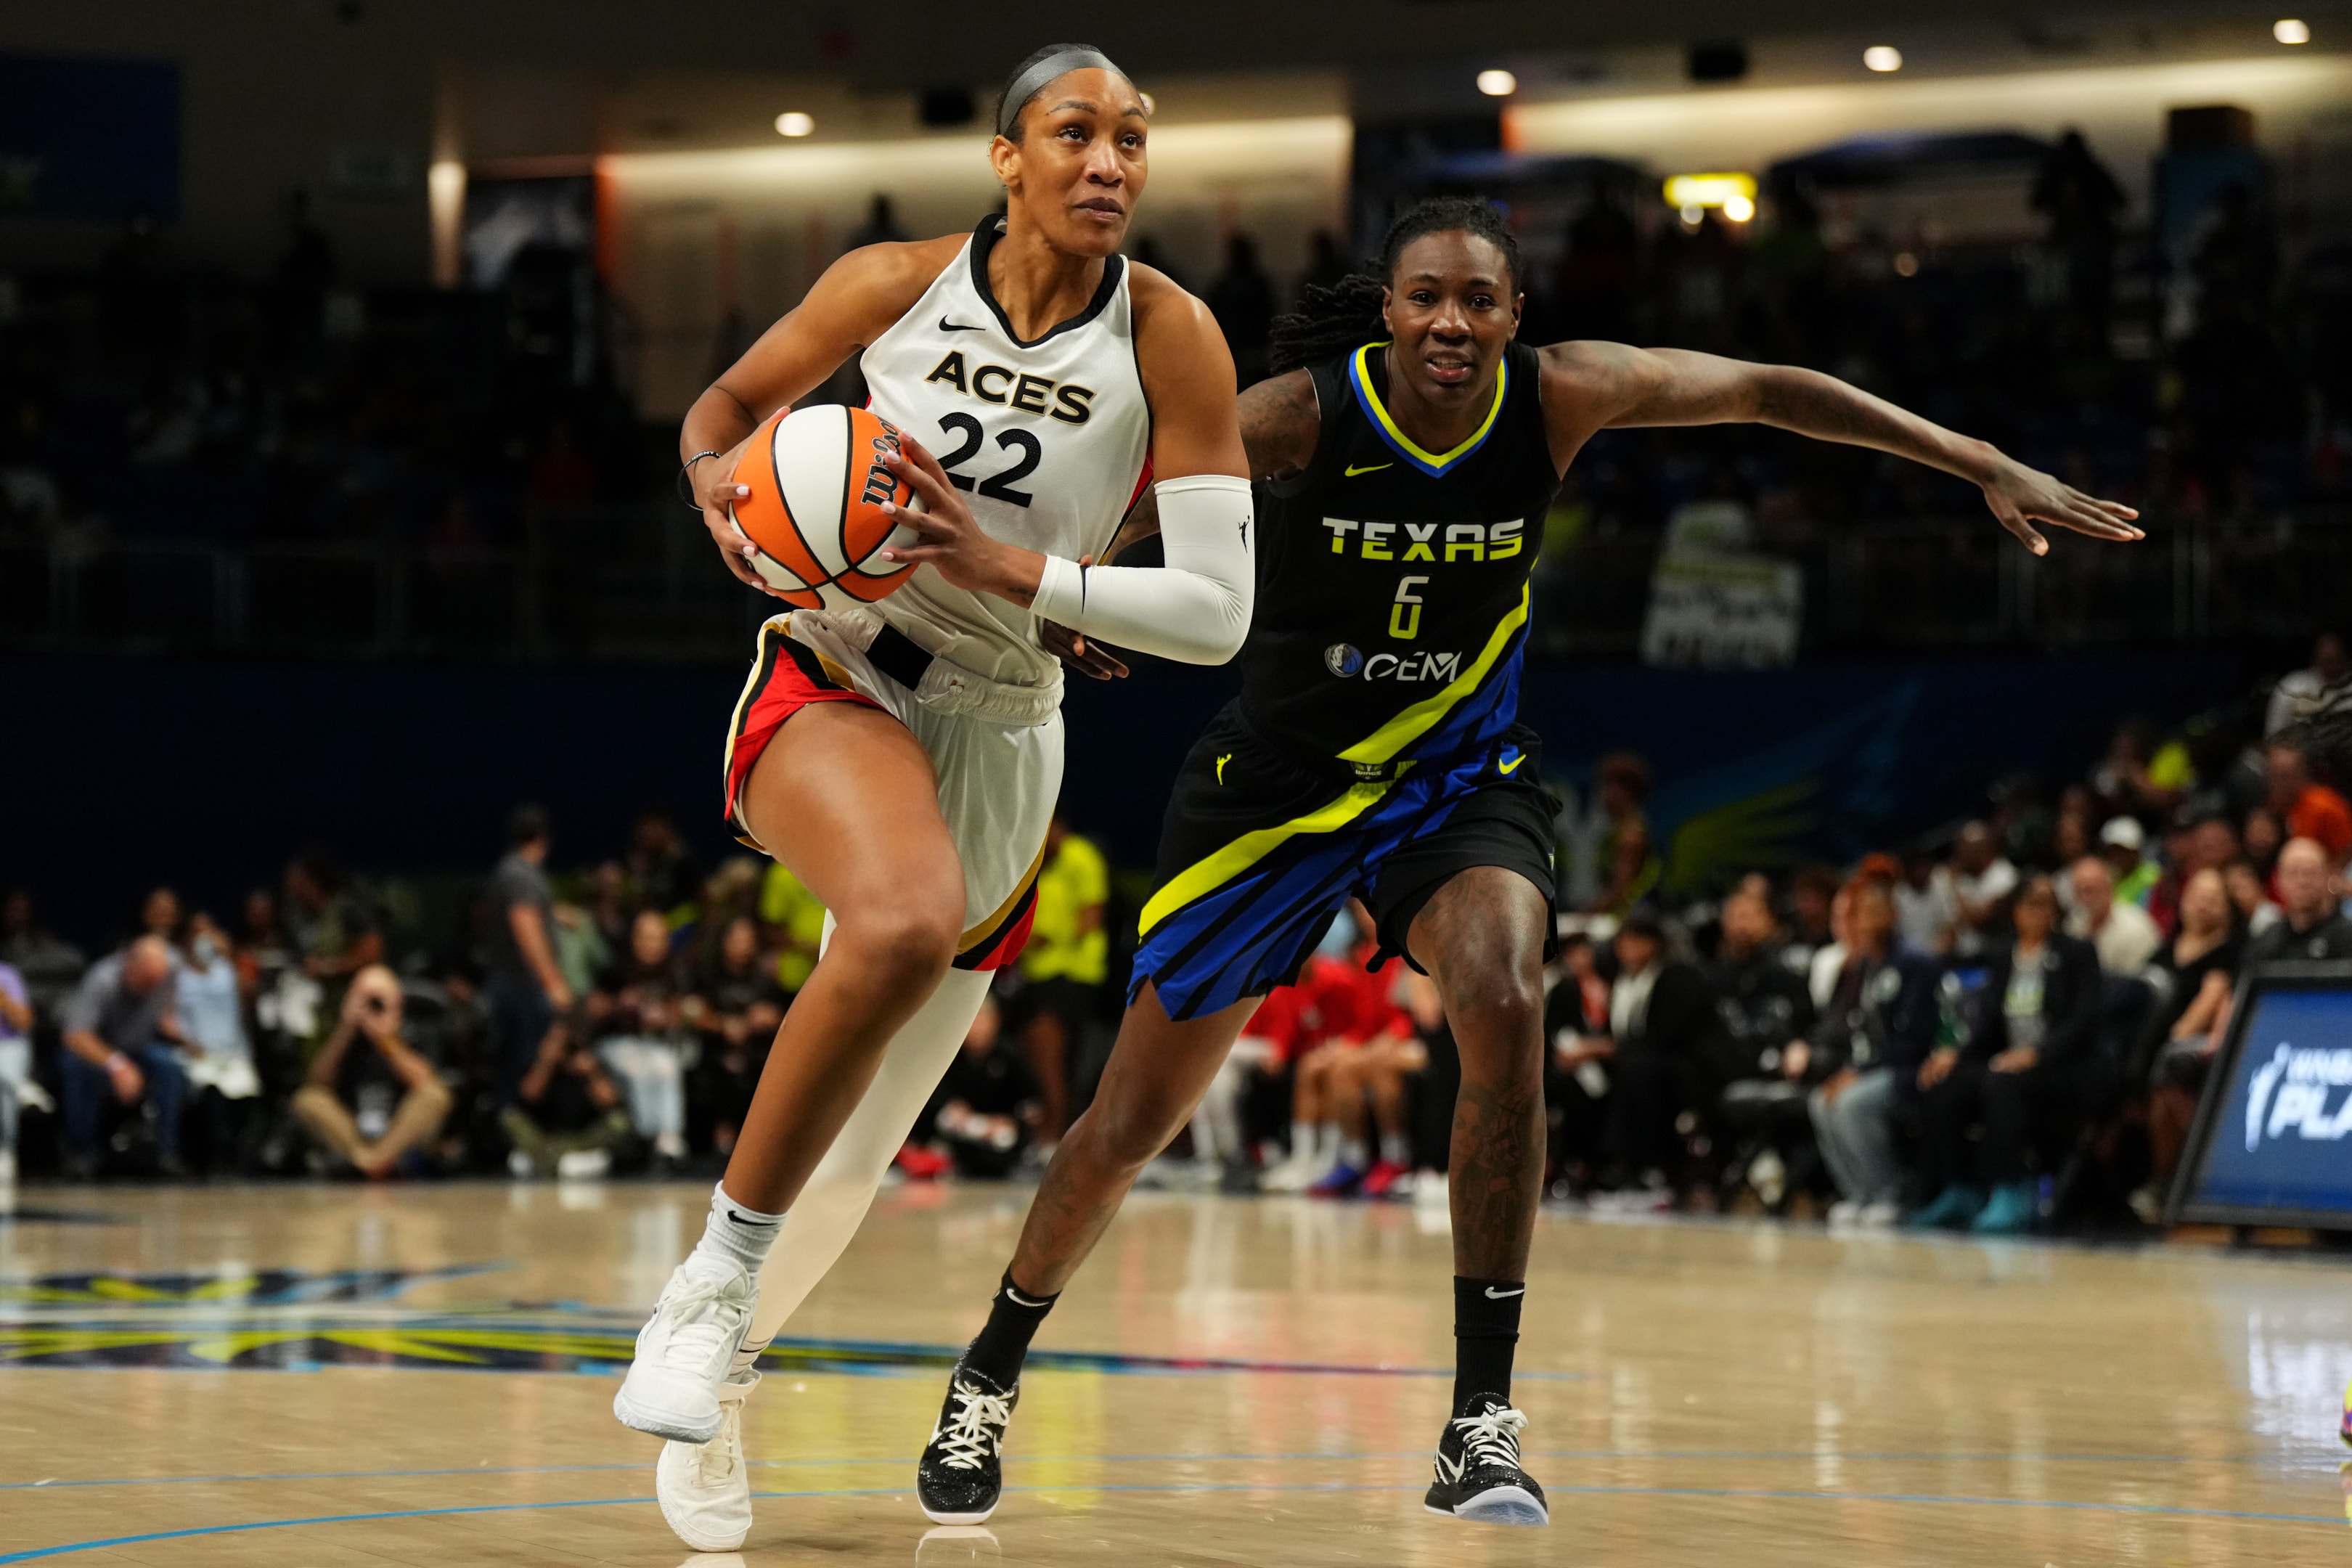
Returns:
(1331,319)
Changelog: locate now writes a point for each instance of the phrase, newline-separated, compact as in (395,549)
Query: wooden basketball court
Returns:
(311,1375)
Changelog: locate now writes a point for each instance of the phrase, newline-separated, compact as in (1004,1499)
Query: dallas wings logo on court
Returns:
(283,1320)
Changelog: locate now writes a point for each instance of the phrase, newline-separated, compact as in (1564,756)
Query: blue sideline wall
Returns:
(116,774)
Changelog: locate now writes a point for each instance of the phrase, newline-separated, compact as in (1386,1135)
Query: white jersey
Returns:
(1048,440)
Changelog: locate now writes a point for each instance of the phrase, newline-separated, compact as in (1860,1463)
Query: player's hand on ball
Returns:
(2020,497)
(951,539)
(715,489)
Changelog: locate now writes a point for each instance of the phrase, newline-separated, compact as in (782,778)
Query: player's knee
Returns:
(909,945)
(1496,999)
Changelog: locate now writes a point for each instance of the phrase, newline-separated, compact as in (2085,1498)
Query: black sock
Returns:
(1003,1341)
(1485,1332)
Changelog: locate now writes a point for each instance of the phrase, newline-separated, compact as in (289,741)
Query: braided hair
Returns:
(1336,317)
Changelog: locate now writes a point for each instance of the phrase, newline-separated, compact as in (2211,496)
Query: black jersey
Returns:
(1393,583)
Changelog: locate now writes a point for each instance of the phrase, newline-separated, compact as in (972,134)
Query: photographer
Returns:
(371,1097)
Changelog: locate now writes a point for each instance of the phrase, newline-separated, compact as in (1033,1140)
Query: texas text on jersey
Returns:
(1393,583)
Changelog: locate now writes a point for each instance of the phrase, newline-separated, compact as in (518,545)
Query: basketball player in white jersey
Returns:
(903,757)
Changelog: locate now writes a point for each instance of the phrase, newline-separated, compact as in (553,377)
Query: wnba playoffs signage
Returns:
(2274,1136)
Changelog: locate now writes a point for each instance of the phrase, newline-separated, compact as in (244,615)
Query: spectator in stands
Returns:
(2309,809)
(120,1038)
(1064,965)
(1273,1036)
(2266,835)
(735,1007)
(1812,903)
(16,1065)
(1629,868)
(988,1107)
(2249,897)
(524,987)
(1765,1008)
(2305,692)
(1339,1004)
(1983,880)
(638,1020)
(2124,843)
(567,1118)
(332,927)
(792,926)
(2312,924)
(1241,299)
(1376,1072)
(1664,1054)
(1925,906)
(372,1100)
(2033,1070)
(1875,1029)
(2195,973)
(2140,775)
(211,1005)
(49,967)
(2124,934)
(1367,1045)
(661,874)
(1575,1072)
(159,914)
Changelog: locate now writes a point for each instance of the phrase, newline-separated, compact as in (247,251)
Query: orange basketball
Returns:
(816,511)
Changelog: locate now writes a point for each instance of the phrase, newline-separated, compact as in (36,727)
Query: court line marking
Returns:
(69,1548)
(2277,1461)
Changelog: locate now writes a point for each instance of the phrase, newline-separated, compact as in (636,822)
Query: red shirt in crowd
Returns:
(2322,815)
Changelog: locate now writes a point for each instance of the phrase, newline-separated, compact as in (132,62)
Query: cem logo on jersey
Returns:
(1347,661)
(2290,1095)
(1071,403)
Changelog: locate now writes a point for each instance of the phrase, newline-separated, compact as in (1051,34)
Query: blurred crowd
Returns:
(2005,1024)
(613,1018)
(151,400)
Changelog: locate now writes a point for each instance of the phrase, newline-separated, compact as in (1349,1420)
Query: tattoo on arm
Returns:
(1280,424)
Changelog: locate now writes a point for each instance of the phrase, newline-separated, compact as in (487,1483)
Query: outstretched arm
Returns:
(1591,387)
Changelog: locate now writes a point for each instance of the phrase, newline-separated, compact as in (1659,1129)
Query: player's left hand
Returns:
(2020,497)
(952,540)
(1088,659)
(2017,1059)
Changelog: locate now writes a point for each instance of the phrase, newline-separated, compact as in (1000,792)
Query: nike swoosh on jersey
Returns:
(948,326)
(1367,468)
(1506,768)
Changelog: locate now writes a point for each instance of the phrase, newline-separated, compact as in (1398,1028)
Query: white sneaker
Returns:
(685,1351)
(705,1490)
(1878,1216)
(1293,1175)
(584,1165)
(1843,1212)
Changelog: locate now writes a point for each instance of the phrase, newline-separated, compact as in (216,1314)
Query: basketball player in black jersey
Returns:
(1413,447)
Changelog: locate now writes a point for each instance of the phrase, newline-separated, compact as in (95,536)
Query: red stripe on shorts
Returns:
(787,679)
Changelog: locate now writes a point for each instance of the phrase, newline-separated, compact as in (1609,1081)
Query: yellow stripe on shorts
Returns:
(1206,875)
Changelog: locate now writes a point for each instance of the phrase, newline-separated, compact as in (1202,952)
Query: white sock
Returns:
(1353,1155)
(1394,1149)
(737,1236)
(1328,1143)
(1302,1140)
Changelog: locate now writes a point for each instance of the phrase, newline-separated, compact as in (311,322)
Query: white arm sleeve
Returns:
(1196,608)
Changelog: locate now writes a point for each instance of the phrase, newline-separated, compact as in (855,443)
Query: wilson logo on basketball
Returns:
(881,484)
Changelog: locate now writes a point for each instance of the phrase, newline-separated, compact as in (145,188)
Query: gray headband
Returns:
(1029,83)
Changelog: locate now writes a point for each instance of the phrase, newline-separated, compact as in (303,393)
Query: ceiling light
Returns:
(1883,57)
(2287,30)
(794,123)
(1498,83)
(1694,194)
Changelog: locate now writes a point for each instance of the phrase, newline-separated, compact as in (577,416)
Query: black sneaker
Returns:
(959,1476)
(1478,1474)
